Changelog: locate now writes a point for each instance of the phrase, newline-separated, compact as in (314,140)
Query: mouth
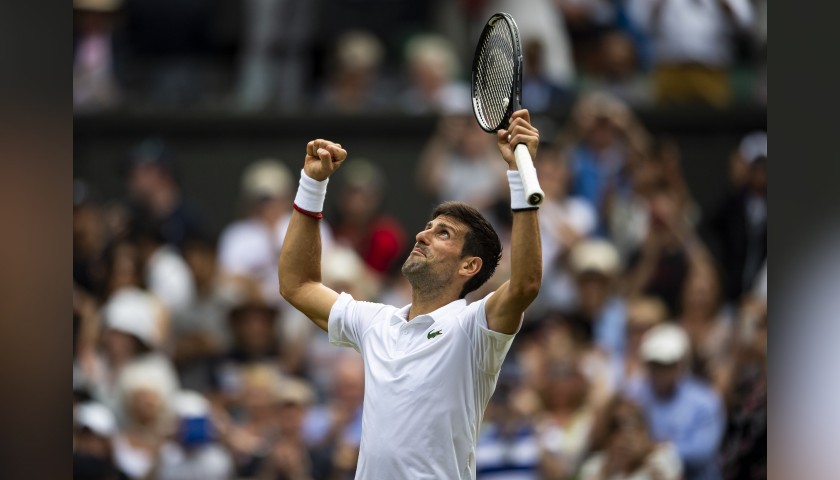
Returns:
(417,251)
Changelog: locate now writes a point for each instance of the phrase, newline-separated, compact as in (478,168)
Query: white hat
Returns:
(188,403)
(266,178)
(594,256)
(96,417)
(295,391)
(753,146)
(665,343)
(132,311)
(341,264)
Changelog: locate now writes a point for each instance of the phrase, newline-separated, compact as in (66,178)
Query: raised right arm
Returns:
(299,267)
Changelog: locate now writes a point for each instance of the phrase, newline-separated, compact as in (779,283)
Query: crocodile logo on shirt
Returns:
(434,334)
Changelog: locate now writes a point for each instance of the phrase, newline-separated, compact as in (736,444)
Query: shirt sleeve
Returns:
(349,319)
(489,347)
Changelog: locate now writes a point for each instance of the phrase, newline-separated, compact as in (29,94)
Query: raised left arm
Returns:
(505,307)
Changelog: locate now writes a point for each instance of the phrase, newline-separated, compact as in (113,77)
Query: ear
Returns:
(470,266)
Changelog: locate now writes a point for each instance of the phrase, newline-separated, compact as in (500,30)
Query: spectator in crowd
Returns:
(253,326)
(680,408)
(95,86)
(671,250)
(360,222)
(587,21)
(693,46)
(629,452)
(628,217)
(543,21)
(604,136)
(709,326)
(154,193)
(250,430)
(508,446)
(135,329)
(737,229)
(744,451)
(565,220)
(355,84)
(566,426)
(290,457)
(334,427)
(539,93)
(203,332)
(144,397)
(194,451)
(274,62)
(94,427)
(90,240)
(643,313)
(456,163)
(596,268)
(433,78)
(165,273)
(617,71)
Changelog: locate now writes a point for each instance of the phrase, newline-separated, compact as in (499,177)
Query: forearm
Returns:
(526,257)
(300,257)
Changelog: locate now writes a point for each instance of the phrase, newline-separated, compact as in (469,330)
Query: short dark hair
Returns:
(481,241)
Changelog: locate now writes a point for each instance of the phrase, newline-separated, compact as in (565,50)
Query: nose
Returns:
(422,237)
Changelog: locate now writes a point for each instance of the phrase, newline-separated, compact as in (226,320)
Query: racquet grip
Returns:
(533,192)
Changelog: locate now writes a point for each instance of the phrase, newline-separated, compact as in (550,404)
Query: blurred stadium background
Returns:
(190,122)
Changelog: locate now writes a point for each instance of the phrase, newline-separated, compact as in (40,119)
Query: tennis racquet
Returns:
(497,87)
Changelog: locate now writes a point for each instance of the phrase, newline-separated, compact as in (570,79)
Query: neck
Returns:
(426,302)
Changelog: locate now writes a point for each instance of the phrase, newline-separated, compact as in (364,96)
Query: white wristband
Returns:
(518,199)
(311,193)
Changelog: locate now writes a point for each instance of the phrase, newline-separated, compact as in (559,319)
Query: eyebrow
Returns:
(441,224)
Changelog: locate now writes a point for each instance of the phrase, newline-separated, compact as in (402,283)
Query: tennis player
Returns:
(431,366)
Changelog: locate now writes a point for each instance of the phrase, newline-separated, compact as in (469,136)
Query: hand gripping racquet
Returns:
(497,89)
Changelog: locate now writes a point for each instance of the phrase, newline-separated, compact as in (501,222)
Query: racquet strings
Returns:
(494,76)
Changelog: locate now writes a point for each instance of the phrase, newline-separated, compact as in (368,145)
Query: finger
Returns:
(338,153)
(320,143)
(523,138)
(310,148)
(524,130)
(502,136)
(324,155)
(522,113)
(521,122)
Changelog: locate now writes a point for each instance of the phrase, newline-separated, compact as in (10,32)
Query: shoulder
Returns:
(372,311)
(702,394)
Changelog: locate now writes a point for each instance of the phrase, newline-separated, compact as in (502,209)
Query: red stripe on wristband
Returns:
(316,216)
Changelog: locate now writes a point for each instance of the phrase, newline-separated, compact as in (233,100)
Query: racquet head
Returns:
(497,73)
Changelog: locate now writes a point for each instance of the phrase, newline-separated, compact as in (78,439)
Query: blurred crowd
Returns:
(408,56)
(643,357)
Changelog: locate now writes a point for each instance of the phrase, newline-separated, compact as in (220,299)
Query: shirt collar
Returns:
(401,315)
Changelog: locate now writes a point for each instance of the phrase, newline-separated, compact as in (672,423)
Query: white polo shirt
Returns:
(427,383)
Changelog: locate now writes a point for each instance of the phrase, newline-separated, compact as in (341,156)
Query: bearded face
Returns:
(434,261)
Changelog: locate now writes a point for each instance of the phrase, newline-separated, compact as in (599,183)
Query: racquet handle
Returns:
(528,173)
